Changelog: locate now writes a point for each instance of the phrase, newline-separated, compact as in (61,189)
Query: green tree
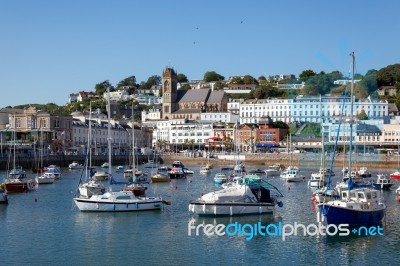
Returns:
(362,115)
(101,88)
(310,90)
(389,75)
(280,124)
(212,76)
(236,80)
(182,78)
(247,79)
(185,87)
(307,74)
(219,85)
(369,82)
(129,81)
(151,81)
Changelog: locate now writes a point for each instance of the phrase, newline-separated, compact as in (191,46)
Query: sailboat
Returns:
(120,201)
(317,180)
(359,206)
(15,183)
(292,174)
(132,174)
(46,177)
(89,187)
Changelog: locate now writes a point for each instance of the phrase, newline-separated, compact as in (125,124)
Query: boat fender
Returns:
(280,204)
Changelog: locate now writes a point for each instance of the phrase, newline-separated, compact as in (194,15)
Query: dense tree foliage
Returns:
(212,76)
(129,82)
(267,91)
(307,74)
(151,81)
(185,87)
(369,82)
(101,88)
(362,115)
(182,78)
(280,124)
(389,76)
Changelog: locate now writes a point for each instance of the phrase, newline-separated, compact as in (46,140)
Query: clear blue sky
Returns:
(49,49)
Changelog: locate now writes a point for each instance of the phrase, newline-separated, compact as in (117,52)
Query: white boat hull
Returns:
(90,205)
(230,209)
(44,180)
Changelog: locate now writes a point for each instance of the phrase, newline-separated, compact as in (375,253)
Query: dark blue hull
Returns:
(383,187)
(336,215)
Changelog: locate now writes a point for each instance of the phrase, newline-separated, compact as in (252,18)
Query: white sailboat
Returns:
(89,187)
(133,174)
(120,201)
(292,173)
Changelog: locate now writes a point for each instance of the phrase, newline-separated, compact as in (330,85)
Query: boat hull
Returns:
(382,186)
(23,186)
(89,205)
(230,208)
(339,215)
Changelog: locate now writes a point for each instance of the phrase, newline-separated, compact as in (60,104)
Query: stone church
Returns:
(189,103)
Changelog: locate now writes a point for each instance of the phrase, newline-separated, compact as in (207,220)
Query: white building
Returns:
(345,81)
(310,109)
(147,99)
(73,97)
(152,114)
(174,133)
(117,95)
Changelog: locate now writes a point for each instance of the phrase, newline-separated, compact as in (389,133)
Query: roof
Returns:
(186,111)
(198,95)
(367,129)
(216,96)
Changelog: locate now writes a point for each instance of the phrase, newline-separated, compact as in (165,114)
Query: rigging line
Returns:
(337,136)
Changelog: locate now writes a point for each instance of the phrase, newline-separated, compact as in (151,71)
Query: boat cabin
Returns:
(360,195)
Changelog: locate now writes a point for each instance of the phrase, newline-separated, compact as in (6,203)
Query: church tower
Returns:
(169,88)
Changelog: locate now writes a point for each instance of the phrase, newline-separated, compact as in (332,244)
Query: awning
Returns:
(266,145)
(214,138)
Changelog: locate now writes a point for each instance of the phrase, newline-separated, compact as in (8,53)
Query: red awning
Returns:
(213,138)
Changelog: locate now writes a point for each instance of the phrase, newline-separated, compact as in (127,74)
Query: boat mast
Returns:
(109,132)
(14,139)
(133,144)
(90,136)
(351,109)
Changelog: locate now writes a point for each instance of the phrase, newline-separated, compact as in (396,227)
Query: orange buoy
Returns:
(313,198)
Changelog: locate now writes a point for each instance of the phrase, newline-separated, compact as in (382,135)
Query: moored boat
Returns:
(237,199)
(176,173)
(120,201)
(292,174)
(382,182)
(19,185)
(159,177)
(220,178)
(75,165)
(17,172)
(46,178)
(355,207)
(395,175)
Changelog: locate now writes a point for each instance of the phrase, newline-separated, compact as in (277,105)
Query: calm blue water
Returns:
(45,228)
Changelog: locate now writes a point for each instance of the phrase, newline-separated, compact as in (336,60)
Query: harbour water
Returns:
(44,227)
